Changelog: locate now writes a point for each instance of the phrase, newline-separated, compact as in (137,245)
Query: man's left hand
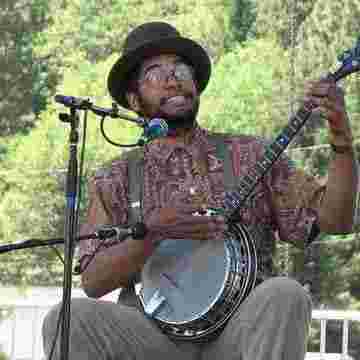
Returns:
(329,98)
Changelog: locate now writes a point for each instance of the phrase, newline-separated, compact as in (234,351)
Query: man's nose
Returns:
(171,79)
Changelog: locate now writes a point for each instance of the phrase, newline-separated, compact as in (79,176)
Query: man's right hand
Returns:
(181,223)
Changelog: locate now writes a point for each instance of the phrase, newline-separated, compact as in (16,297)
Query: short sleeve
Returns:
(107,192)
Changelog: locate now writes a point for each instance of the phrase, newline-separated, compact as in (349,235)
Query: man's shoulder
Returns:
(117,166)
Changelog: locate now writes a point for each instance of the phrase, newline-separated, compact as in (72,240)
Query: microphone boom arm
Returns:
(85,104)
(138,231)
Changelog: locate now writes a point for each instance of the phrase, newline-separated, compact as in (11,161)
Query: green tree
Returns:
(241,20)
(88,26)
(248,91)
(279,16)
(24,77)
(32,201)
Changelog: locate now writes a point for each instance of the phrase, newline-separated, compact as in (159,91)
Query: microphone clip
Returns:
(108,231)
(137,231)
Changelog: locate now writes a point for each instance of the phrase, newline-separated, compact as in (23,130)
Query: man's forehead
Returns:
(160,59)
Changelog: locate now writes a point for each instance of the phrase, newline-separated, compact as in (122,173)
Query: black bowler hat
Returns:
(153,39)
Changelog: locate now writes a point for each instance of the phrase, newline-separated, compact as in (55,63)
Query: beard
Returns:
(182,119)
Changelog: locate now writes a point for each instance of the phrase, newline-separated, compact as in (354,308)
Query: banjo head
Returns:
(183,279)
(191,288)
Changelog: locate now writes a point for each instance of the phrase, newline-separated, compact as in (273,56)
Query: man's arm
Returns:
(336,214)
(115,263)
(113,267)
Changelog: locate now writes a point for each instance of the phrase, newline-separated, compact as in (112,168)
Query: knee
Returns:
(287,290)
(51,319)
(79,307)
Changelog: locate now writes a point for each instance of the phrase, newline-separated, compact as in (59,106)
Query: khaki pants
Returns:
(271,324)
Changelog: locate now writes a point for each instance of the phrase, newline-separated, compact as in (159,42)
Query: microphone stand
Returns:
(71,213)
(69,227)
(137,231)
(31,243)
(71,194)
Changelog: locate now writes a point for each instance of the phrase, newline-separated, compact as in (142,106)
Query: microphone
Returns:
(137,231)
(72,101)
(153,128)
(86,104)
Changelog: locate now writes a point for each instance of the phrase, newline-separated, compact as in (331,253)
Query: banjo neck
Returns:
(247,183)
(235,200)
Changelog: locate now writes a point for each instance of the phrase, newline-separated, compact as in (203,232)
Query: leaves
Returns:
(23,77)
(248,89)
(69,48)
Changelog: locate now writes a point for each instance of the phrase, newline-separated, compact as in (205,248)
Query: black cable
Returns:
(57,331)
(57,252)
(77,270)
(141,142)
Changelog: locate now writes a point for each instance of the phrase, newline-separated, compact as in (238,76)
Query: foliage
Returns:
(42,172)
(241,22)
(322,50)
(24,77)
(280,17)
(258,77)
(88,26)
(248,91)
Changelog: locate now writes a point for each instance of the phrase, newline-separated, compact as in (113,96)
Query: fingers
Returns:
(195,227)
(324,88)
(170,215)
(200,224)
(328,98)
(184,208)
(182,224)
(324,105)
(197,233)
(330,103)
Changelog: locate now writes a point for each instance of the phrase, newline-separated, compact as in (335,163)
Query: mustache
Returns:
(164,99)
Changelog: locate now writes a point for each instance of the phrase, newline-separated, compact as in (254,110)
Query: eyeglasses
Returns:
(159,74)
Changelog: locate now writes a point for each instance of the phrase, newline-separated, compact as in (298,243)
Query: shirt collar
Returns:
(163,148)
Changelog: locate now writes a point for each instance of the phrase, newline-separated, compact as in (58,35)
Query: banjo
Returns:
(191,288)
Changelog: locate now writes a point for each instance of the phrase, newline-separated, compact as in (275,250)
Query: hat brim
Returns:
(192,52)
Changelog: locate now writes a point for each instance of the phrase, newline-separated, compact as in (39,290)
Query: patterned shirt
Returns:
(282,206)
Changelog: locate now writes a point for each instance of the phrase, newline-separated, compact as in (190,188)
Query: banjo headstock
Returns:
(350,62)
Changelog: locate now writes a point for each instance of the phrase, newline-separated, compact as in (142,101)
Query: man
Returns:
(162,74)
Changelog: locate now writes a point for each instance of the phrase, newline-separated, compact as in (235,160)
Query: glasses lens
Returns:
(153,75)
(183,72)
(159,74)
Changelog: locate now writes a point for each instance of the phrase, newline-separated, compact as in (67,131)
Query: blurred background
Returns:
(262,53)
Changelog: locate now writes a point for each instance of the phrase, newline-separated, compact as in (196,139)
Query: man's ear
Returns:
(133,100)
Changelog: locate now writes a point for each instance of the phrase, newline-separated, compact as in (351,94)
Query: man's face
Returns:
(166,89)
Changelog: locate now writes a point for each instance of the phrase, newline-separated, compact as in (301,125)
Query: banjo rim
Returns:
(233,290)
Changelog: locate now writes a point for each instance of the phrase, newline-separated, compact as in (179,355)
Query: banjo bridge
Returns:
(154,304)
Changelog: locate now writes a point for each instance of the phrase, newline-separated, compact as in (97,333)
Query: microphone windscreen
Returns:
(139,231)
